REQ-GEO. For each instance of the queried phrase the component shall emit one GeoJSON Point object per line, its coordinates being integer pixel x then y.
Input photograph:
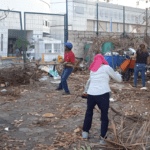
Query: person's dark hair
{"type": "Point", "coordinates": [142, 50]}
{"type": "Point", "coordinates": [69, 49]}
{"type": "Point", "coordinates": [142, 45]}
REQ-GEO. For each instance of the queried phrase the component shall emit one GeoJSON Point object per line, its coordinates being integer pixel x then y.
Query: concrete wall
{"type": "Point", "coordinates": [80, 38]}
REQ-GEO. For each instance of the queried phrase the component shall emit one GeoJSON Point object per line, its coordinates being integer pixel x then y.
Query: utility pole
{"type": "Point", "coordinates": [66, 20]}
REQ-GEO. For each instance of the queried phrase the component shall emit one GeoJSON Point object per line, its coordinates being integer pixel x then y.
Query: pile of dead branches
{"type": "Point", "coordinates": [129, 136]}
{"type": "Point", "coordinates": [20, 74]}
{"type": "Point", "coordinates": [120, 45]}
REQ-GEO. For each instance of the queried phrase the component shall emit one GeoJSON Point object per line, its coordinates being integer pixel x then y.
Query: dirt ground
{"type": "Point", "coordinates": [25, 124]}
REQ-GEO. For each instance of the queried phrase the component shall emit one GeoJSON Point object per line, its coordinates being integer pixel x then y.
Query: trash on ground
{"type": "Point", "coordinates": [2, 85]}
{"type": "Point", "coordinates": [111, 100]}
{"type": "Point", "coordinates": [4, 90]}
{"type": "Point", "coordinates": [49, 115]}
{"type": "Point", "coordinates": [44, 78]}
{"type": "Point", "coordinates": [56, 81]}
{"type": "Point", "coordinates": [77, 130]}
{"type": "Point", "coordinates": [6, 129]}
{"type": "Point", "coordinates": [45, 68]}
{"type": "Point", "coordinates": [56, 78]}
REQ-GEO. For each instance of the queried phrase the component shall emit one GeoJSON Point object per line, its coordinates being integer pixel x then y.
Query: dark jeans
{"type": "Point", "coordinates": [66, 73]}
{"type": "Point", "coordinates": [139, 67]}
{"type": "Point", "coordinates": [103, 103]}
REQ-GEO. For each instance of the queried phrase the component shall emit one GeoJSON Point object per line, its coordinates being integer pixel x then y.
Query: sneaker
{"type": "Point", "coordinates": [59, 89]}
{"type": "Point", "coordinates": [144, 88]}
{"type": "Point", "coordinates": [66, 93]}
{"type": "Point", "coordinates": [102, 142]}
{"type": "Point", "coordinates": [85, 135]}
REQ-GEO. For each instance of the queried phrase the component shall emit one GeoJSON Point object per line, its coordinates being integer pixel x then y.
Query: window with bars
{"type": "Point", "coordinates": [57, 48]}
{"type": "Point", "coordinates": [48, 48]}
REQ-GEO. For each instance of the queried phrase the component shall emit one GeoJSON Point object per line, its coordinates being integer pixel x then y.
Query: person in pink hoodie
{"type": "Point", "coordinates": [98, 94]}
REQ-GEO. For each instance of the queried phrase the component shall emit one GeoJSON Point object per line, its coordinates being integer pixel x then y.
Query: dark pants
{"type": "Point", "coordinates": [139, 68]}
{"type": "Point", "coordinates": [66, 73]}
{"type": "Point", "coordinates": [102, 101]}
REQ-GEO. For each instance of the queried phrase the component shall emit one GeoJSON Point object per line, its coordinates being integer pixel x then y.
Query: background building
{"type": "Point", "coordinates": [40, 29]}
{"type": "Point", "coordinates": [82, 16]}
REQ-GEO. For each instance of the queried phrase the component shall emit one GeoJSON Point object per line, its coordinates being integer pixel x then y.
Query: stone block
{"type": "Point", "coordinates": [81, 35]}
{"type": "Point", "coordinates": [75, 33]}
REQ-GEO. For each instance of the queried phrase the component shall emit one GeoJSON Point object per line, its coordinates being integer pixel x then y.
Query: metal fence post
{"type": "Point", "coordinates": [112, 58]}
{"type": "Point", "coordinates": [97, 19]}
{"type": "Point", "coordinates": [20, 21]}
{"type": "Point", "coordinates": [24, 49]}
{"type": "Point", "coordinates": [21, 31]}
{"type": "Point", "coordinates": [123, 21]}
{"type": "Point", "coordinates": [65, 30]}
{"type": "Point", "coordinates": [66, 20]}
{"type": "Point", "coordinates": [146, 20]}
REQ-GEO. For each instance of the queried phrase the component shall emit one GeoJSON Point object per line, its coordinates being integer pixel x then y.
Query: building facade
{"type": "Point", "coordinates": [82, 16]}
{"type": "Point", "coordinates": [40, 29]}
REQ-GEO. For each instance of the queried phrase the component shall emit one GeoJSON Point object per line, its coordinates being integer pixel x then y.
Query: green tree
{"type": "Point", "coordinates": [21, 41]}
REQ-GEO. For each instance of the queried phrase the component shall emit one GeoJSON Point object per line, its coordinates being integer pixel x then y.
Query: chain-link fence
{"type": "Point", "coordinates": [42, 39]}
{"type": "Point", "coordinates": [46, 32]}
{"type": "Point", "coordinates": [106, 17]}
{"type": "Point", "coordinates": [10, 24]}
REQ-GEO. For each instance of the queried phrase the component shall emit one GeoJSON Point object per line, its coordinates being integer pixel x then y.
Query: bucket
{"type": "Point", "coordinates": [59, 58]}
{"type": "Point", "coordinates": [109, 60]}
{"type": "Point", "coordinates": [125, 64]}
{"type": "Point", "coordinates": [132, 64]}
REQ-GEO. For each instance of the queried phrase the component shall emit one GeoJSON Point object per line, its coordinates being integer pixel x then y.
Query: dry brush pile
{"type": "Point", "coordinates": [20, 74]}
{"type": "Point", "coordinates": [120, 44]}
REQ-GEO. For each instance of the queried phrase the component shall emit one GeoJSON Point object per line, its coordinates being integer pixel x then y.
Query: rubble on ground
{"type": "Point", "coordinates": [129, 113]}
{"type": "Point", "coordinates": [20, 74]}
